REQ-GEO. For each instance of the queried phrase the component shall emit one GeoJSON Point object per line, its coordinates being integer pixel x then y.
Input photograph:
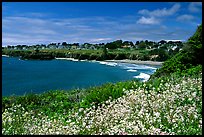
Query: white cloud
{"type": "Point", "coordinates": [98, 40]}
{"type": "Point", "coordinates": [185, 17]}
{"type": "Point", "coordinates": [149, 21]}
{"type": "Point", "coordinates": [29, 29]}
{"type": "Point", "coordinates": [36, 30]}
{"type": "Point", "coordinates": [174, 40]}
{"type": "Point", "coordinates": [195, 6]}
{"type": "Point", "coordinates": [161, 12]}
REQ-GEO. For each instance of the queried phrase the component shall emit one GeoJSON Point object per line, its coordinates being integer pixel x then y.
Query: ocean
{"type": "Point", "coordinates": [20, 77]}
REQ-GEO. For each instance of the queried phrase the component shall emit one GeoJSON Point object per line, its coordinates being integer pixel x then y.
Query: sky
{"type": "Point", "coordinates": [97, 22]}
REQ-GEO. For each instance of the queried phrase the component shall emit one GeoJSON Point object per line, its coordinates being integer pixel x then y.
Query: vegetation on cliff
{"type": "Point", "coordinates": [189, 56]}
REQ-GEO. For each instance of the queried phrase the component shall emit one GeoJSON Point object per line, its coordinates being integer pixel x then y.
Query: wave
{"type": "Point", "coordinates": [132, 70]}
{"type": "Point", "coordinates": [5, 56]}
{"type": "Point", "coordinates": [143, 76]}
{"type": "Point", "coordinates": [74, 60]}
{"type": "Point", "coordinates": [83, 60]}
{"type": "Point", "coordinates": [94, 61]}
{"type": "Point", "coordinates": [70, 59]}
{"type": "Point", "coordinates": [108, 63]}
{"type": "Point", "coordinates": [134, 66]}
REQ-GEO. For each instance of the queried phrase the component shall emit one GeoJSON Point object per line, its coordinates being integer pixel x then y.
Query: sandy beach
{"type": "Point", "coordinates": [121, 61]}
{"type": "Point", "coordinates": [136, 62]}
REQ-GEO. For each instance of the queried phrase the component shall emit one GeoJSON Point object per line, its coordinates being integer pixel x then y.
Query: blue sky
{"type": "Point", "coordinates": [96, 22]}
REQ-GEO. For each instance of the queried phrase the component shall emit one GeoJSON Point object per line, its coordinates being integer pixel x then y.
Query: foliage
{"type": "Point", "coordinates": [142, 45]}
{"type": "Point", "coordinates": [190, 56]}
{"type": "Point", "coordinates": [103, 93]}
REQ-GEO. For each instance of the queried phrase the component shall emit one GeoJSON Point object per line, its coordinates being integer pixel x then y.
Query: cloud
{"type": "Point", "coordinates": [29, 29]}
{"type": "Point", "coordinates": [14, 39]}
{"type": "Point", "coordinates": [37, 30]}
{"type": "Point", "coordinates": [173, 40]}
{"type": "Point", "coordinates": [27, 25]}
{"type": "Point", "coordinates": [149, 21]}
{"type": "Point", "coordinates": [161, 12]}
{"type": "Point", "coordinates": [98, 40]}
{"type": "Point", "coordinates": [154, 17]}
{"type": "Point", "coordinates": [185, 17]}
{"type": "Point", "coordinates": [195, 6]}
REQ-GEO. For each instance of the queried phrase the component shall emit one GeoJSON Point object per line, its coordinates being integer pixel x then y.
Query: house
{"type": "Point", "coordinates": [73, 47]}
{"type": "Point", "coordinates": [174, 47]}
{"type": "Point", "coordinates": [126, 46]}
{"type": "Point", "coordinates": [61, 47]}
{"type": "Point", "coordinates": [52, 46]}
{"type": "Point", "coordinates": [92, 47]}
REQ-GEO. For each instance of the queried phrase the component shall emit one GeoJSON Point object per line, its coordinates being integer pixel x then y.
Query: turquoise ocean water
{"type": "Point", "coordinates": [24, 76]}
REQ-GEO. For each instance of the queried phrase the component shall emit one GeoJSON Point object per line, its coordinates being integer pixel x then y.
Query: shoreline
{"type": "Point", "coordinates": [5, 56]}
{"type": "Point", "coordinates": [71, 59]}
{"type": "Point", "coordinates": [157, 63]}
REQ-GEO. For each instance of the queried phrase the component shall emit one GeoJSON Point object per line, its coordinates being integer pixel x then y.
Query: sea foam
{"type": "Point", "coordinates": [143, 76]}
{"type": "Point", "coordinates": [135, 67]}
{"type": "Point", "coordinates": [132, 70]}
{"type": "Point", "coordinates": [108, 63]}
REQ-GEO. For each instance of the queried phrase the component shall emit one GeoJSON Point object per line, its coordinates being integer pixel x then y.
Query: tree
{"type": "Point", "coordinates": [127, 43]}
{"type": "Point", "coordinates": [64, 43]}
{"type": "Point", "coordinates": [111, 45]}
{"type": "Point", "coordinates": [53, 44]}
{"type": "Point", "coordinates": [146, 42]}
{"type": "Point", "coordinates": [131, 44]}
{"type": "Point", "coordinates": [162, 42]}
{"type": "Point", "coordinates": [119, 43]}
{"type": "Point", "coordinates": [105, 53]}
{"type": "Point", "coordinates": [170, 42]}
{"type": "Point", "coordinates": [37, 50]}
{"type": "Point", "coordinates": [75, 44]}
{"type": "Point", "coordinates": [142, 45]}
{"type": "Point", "coordinates": [19, 47]}
{"type": "Point", "coordinates": [137, 43]}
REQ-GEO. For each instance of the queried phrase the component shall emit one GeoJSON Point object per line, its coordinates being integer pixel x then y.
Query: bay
{"type": "Point", "coordinates": [37, 76]}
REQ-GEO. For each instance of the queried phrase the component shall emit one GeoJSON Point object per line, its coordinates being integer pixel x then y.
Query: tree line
{"type": "Point", "coordinates": [110, 45]}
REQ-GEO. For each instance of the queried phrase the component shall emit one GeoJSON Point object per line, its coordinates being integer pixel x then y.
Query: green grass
{"type": "Point", "coordinates": [66, 100]}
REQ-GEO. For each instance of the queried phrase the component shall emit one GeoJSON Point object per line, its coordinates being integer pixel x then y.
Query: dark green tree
{"type": "Point", "coordinates": [105, 53]}
{"type": "Point", "coordinates": [137, 43]}
{"type": "Point", "coordinates": [111, 45]}
{"type": "Point", "coordinates": [162, 42]}
{"type": "Point", "coordinates": [142, 45]}
{"type": "Point", "coordinates": [119, 43]}
{"type": "Point", "coordinates": [64, 43]}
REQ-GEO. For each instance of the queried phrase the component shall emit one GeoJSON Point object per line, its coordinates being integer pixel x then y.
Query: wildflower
{"type": "Point", "coordinates": [157, 114]}
{"type": "Point", "coordinates": [194, 94]}
{"type": "Point", "coordinates": [81, 109]}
